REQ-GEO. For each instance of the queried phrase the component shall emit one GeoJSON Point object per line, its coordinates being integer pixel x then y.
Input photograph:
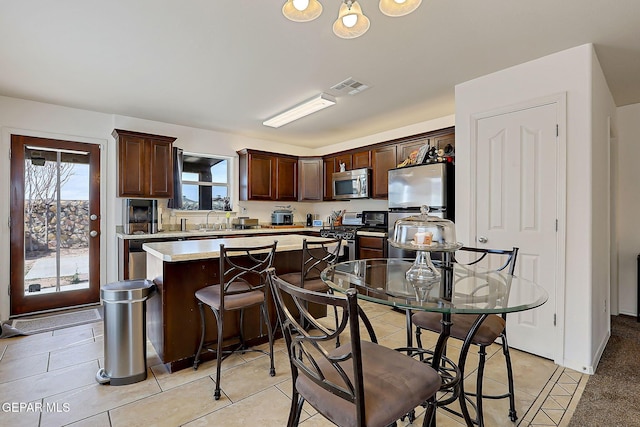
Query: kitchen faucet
{"type": "Point", "coordinates": [206, 226]}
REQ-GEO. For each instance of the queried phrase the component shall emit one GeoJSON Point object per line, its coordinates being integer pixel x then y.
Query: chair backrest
{"type": "Point", "coordinates": [338, 372]}
{"type": "Point", "coordinates": [244, 269]}
{"type": "Point", "coordinates": [316, 256]}
{"type": "Point", "coordinates": [480, 254]}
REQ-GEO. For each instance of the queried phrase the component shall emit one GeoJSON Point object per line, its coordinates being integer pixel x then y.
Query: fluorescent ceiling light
{"type": "Point", "coordinates": [310, 106]}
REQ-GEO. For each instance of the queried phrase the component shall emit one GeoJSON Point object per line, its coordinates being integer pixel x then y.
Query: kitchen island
{"type": "Point", "coordinates": [179, 269]}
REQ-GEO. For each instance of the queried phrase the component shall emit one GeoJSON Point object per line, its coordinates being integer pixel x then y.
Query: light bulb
{"type": "Point", "coordinates": [397, 1]}
{"type": "Point", "coordinates": [303, 4]}
{"type": "Point", "coordinates": [350, 20]}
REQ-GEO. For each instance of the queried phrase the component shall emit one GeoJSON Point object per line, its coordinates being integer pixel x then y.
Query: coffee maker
{"type": "Point", "coordinates": [140, 216]}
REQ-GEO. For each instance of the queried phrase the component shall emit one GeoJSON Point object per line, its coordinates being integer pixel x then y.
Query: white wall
{"type": "Point", "coordinates": [569, 72]}
{"type": "Point", "coordinates": [603, 118]}
{"type": "Point", "coordinates": [45, 120]}
{"type": "Point", "coordinates": [628, 206]}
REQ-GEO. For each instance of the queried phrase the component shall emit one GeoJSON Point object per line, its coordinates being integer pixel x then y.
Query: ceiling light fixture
{"type": "Point", "coordinates": [351, 22]}
{"type": "Point", "coordinates": [302, 10]}
{"type": "Point", "coordinates": [310, 106]}
{"type": "Point", "coordinates": [397, 8]}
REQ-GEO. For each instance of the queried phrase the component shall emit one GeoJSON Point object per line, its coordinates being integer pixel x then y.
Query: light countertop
{"type": "Point", "coordinates": [372, 233]}
{"type": "Point", "coordinates": [213, 234]}
{"type": "Point", "coordinates": [188, 250]}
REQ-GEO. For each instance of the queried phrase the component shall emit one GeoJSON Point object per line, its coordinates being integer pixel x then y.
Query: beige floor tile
{"type": "Point", "coordinates": [13, 369]}
{"type": "Point", "coordinates": [542, 419]}
{"type": "Point", "coordinates": [88, 351]}
{"type": "Point", "coordinates": [93, 399]}
{"type": "Point", "coordinates": [168, 380]}
{"type": "Point", "coordinates": [268, 408]}
{"type": "Point", "coordinates": [551, 403]}
{"type": "Point", "coordinates": [244, 380]}
{"type": "Point", "coordinates": [73, 329]}
{"type": "Point", "coordinates": [19, 417]}
{"type": "Point", "coordinates": [316, 420]}
{"type": "Point", "coordinates": [44, 343]}
{"type": "Point", "coordinates": [554, 414]}
{"type": "Point", "coordinates": [49, 383]}
{"type": "Point", "coordinates": [100, 420]}
{"type": "Point", "coordinates": [175, 407]}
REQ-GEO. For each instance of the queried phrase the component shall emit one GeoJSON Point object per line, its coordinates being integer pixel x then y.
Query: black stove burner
{"type": "Point", "coordinates": [343, 231]}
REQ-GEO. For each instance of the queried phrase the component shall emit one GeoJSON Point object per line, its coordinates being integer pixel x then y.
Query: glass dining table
{"type": "Point", "coordinates": [458, 288]}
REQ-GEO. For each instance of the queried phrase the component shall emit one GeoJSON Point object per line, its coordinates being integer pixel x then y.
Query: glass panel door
{"type": "Point", "coordinates": [55, 226]}
{"type": "Point", "coordinates": [56, 221]}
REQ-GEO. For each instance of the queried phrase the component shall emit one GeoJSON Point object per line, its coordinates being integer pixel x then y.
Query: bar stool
{"type": "Point", "coordinates": [242, 285]}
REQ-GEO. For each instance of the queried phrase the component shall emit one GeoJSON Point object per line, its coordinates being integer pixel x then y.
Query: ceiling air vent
{"type": "Point", "coordinates": [350, 86]}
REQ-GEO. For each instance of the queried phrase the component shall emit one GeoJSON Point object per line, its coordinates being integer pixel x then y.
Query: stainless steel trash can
{"type": "Point", "coordinates": [125, 331]}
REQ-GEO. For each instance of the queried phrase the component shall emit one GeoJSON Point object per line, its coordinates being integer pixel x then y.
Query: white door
{"type": "Point", "coordinates": [516, 198]}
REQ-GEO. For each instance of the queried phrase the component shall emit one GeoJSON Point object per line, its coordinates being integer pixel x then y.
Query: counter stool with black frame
{"type": "Point", "coordinates": [359, 383]}
{"type": "Point", "coordinates": [316, 256]}
{"type": "Point", "coordinates": [243, 284]}
{"type": "Point", "coordinates": [494, 326]}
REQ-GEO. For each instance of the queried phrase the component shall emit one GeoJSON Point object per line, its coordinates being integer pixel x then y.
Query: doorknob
{"type": "Point", "coordinates": [93, 233]}
{"type": "Point", "coordinates": [482, 239]}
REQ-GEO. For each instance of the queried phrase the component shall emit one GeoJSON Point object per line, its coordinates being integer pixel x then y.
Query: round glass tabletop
{"type": "Point", "coordinates": [472, 290]}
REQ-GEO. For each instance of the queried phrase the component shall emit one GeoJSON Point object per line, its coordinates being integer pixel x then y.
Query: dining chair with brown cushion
{"type": "Point", "coordinates": [493, 327]}
{"type": "Point", "coordinates": [242, 285]}
{"type": "Point", "coordinates": [359, 383]}
{"type": "Point", "coordinates": [316, 256]}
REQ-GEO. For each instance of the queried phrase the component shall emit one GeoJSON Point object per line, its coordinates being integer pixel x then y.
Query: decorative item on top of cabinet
{"type": "Point", "coordinates": [145, 164]}
{"type": "Point", "coordinates": [268, 176]}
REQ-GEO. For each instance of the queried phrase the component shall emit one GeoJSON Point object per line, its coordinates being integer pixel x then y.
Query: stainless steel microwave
{"type": "Point", "coordinates": [353, 184]}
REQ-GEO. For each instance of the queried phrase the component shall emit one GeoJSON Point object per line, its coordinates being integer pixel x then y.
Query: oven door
{"type": "Point", "coordinates": [349, 250]}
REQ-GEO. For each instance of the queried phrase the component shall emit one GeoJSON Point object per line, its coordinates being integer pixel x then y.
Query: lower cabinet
{"type": "Point", "coordinates": [371, 247]}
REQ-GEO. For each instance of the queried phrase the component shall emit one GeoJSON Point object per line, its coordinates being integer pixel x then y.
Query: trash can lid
{"type": "Point", "coordinates": [127, 290]}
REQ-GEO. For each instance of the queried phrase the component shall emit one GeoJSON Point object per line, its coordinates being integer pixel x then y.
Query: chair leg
{"type": "Point", "coordinates": [203, 325]}
{"type": "Point", "coordinates": [479, 379]}
{"type": "Point", "coordinates": [219, 316]}
{"type": "Point", "coordinates": [265, 313]}
{"type": "Point", "coordinates": [297, 402]}
{"type": "Point", "coordinates": [513, 416]}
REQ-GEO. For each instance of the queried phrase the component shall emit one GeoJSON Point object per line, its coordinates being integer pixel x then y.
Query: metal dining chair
{"type": "Point", "coordinates": [242, 285]}
{"type": "Point", "coordinates": [359, 383]}
{"type": "Point", "coordinates": [493, 327]}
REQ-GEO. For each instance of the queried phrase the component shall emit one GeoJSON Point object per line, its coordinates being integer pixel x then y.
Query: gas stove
{"type": "Point", "coordinates": [347, 232]}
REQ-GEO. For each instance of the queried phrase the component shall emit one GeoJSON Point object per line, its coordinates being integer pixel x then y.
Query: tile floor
{"type": "Point", "coordinates": [49, 380]}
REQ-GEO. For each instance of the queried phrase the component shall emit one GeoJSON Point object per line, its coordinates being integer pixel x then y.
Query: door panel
{"type": "Point", "coordinates": [55, 224]}
{"type": "Point", "coordinates": [516, 194]}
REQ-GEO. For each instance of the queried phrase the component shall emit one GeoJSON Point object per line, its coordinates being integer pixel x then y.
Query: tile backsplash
{"type": "Point", "coordinates": [262, 211]}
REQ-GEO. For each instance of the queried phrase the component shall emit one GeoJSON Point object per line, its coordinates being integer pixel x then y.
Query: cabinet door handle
{"type": "Point", "coordinates": [93, 217]}
{"type": "Point", "coordinates": [93, 233]}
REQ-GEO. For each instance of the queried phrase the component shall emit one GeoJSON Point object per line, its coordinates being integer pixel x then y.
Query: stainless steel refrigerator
{"type": "Point", "coordinates": [414, 186]}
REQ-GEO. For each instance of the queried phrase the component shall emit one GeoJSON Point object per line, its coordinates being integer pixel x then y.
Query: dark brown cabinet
{"type": "Point", "coordinates": [268, 176]}
{"type": "Point", "coordinates": [310, 179]}
{"type": "Point", "coordinates": [371, 247]}
{"type": "Point", "coordinates": [145, 164]}
{"type": "Point", "coordinates": [361, 159]}
{"type": "Point", "coordinates": [287, 178]}
{"type": "Point", "coordinates": [328, 169]}
{"type": "Point", "coordinates": [382, 159]}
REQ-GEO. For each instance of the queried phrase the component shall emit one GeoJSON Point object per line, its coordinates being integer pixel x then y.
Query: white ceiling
{"type": "Point", "coordinates": [227, 65]}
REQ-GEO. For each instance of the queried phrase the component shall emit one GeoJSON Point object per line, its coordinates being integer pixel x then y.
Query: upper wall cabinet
{"type": "Point", "coordinates": [145, 165]}
{"type": "Point", "coordinates": [268, 176]}
{"type": "Point", "coordinates": [310, 173]}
